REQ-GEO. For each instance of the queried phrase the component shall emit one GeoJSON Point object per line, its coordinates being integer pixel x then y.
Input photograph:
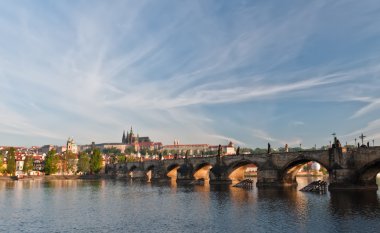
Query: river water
{"type": "Point", "coordinates": [126, 206]}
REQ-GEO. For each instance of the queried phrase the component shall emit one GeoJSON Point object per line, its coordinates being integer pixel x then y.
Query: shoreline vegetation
{"type": "Point", "coordinates": [58, 177]}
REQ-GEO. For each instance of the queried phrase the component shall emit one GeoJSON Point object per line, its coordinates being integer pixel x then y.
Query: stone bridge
{"type": "Point", "coordinates": [348, 169]}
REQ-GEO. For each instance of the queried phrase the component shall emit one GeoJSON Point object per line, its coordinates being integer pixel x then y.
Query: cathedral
{"type": "Point", "coordinates": [131, 139]}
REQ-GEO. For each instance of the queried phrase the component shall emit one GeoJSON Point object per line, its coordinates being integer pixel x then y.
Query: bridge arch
{"type": "Point", "coordinates": [367, 174]}
{"type": "Point", "coordinates": [171, 170]}
{"type": "Point", "coordinates": [236, 170]}
{"type": "Point", "coordinates": [288, 173]}
{"type": "Point", "coordinates": [132, 168]}
{"type": "Point", "coordinates": [202, 171]}
{"type": "Point", "coordinates": [150, 168]}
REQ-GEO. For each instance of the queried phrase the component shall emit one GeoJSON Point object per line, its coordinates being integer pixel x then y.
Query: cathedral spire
{"type": "Point", "coordinates": [123, 138]}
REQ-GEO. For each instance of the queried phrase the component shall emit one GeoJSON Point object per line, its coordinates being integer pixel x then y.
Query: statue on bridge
{"type": "Point", "coordinates": [219, 150]}
{"type": "Point", "coordinates": [238, 150]}
{"type": "Point", "coordinates": [269, 149]}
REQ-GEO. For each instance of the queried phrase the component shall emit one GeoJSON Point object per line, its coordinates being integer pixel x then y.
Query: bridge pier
{"type": "Point", "coordinates": [185, 174]}
{"type": "Point", "coordinates": [346, 179]}
{"type": "Point", "coordinates": [220, 181]}
{"type": "Point", "coordinates": [159, 176]}
{"type": "Point", "coordinates": [138, 174]}
{"type": "Point", "coordinates": [268, 178]}
{"type": "Point", "coordinates": [219, 175]}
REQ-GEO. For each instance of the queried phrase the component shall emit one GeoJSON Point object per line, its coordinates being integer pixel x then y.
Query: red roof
{"type": "Point", "coordinates": [37, 157]}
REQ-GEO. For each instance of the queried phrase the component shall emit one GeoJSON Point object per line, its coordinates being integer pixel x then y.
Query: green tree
{"type": "Point", "coordinates": [11, 161]}
{"type": "Point", "coordinates": [28, 164]}
{"type": "Point", "coordinates": [121, 158]}
{"type": "Point", "coordinates": [260, 151]}
{"type": "Point", "coordinates": [84, 163]}
{"type": "Point", "coordinates": [130, 150]}
{"type": "Point", "coordinates": [130, 159]}
{"type": "Point", "coordinates": [143, 151]}
{"type": "Point", "coordinates": [112, 150]}
{"type": "Point", "coordinates": [1, 159]}
{"type": "Point", "coordinates": [96, 161]}
{"type": "Point", "coordinates": [246, 150]}
{"type": "Point", "coordinates": [3, 169]}
{"type": "Point", "coordinates": [69, 161]}
{"type": "Point", "coordinates": [51, 162]}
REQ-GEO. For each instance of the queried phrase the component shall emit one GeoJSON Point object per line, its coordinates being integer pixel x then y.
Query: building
{"type": "Point", "coordinates": [226, 149]}
{"type": "Point", "coordinates": [128, 140]}
{"type": "Point", "coordinates": [71, 146]}
{"type": "Point", "coordinates": [139, 143]}
{"type": "Point", "coordinates": [183, 148]}
{"type": "Point", "coordinates": [198, 149]}
{"type": "Point", "coordinates": [119, 146]}
{"type": "Point", "coordinates": [46, 148]}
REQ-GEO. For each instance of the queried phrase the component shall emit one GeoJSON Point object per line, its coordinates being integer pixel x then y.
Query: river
{"type": "Point", "coordinates": [126, 206]}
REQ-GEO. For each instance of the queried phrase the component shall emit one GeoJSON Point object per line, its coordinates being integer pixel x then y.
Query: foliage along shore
{"type": "Point", "coordinates": [58, 177]}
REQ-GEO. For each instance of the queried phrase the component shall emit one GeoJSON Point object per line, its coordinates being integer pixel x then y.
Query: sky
{"type": "Point", "coordinates": [253, 72]}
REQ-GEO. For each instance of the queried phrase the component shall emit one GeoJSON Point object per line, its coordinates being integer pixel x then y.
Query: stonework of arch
{"type": "Point", "coordinates": [289, 172]}
{"type": "Point", "coordinates": [367, 174]}
{"type": "Point", "coordinates": [237, 169]}
{"type": "Point", "coordinates": [134, 167]}
{"type": "Point", "coordinates": [202, 170]}
{"type": "Point", "coordinates": [171, 170]}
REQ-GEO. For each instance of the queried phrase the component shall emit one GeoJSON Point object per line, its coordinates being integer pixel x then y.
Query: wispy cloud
{"type": "Point", "coordinates": [373, 104]}
{"type": "Point", "coordinates": [176, 70]}
{"type": "Point", "coordinates": [229, 139]}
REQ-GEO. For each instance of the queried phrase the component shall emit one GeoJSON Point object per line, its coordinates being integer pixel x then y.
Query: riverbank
{"type": "Point", "coordinates": [57, 177]}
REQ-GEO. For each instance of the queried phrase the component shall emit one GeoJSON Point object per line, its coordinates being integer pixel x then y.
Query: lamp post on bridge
{"type": "Point", "coordinates": [373, 142]}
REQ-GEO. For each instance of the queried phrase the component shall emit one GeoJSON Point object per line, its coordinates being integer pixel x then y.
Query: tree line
{"type": "Point", "coordinates": [86, 163]}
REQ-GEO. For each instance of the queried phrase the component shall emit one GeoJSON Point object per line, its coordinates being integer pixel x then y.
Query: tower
{"type": "Point", "coordinates": [131, 136]}
{"type": "Point", "coordinates": [123, 138]}
{"type": "Point", "coordinates": [71, 146]}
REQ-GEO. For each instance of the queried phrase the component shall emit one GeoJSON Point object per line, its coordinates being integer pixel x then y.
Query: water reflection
{"type": "Point", "coordinates": [345, 202]}
{"type": "Point", "coordinates": [131, 206]}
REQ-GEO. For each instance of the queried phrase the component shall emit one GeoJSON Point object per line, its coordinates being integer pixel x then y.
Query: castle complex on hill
{"type": "Point", "coordinates": [130, 138]}
{"type": "Point", "coordinates": [138, 143]}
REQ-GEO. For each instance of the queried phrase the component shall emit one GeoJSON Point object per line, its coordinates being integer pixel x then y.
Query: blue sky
{"type": "Point", "coordinates": [199, 71]}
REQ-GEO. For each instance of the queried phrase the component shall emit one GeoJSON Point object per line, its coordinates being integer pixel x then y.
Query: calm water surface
{"type": "Point", "coordinates": [122, 206]}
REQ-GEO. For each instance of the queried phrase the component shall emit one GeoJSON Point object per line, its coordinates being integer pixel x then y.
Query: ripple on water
{"type": "Point", "coordinates": [121, 206]}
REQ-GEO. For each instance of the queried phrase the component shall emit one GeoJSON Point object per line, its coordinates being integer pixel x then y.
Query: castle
{"type": "Point", "coordinates": [131, 139]}
{"type": "Point", "coordinates": [138, 142]}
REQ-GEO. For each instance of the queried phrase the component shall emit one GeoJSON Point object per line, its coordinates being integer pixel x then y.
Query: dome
{"type": "Point", "coordinates": [315, 166]}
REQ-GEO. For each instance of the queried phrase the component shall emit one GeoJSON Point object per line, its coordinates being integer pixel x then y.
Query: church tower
{"type": "Point", "coordinates": [123, 138]}
{"type": "Point", "coordinates": [127, 138]}
{"type": "Point", "coordinates": [131, 136]}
